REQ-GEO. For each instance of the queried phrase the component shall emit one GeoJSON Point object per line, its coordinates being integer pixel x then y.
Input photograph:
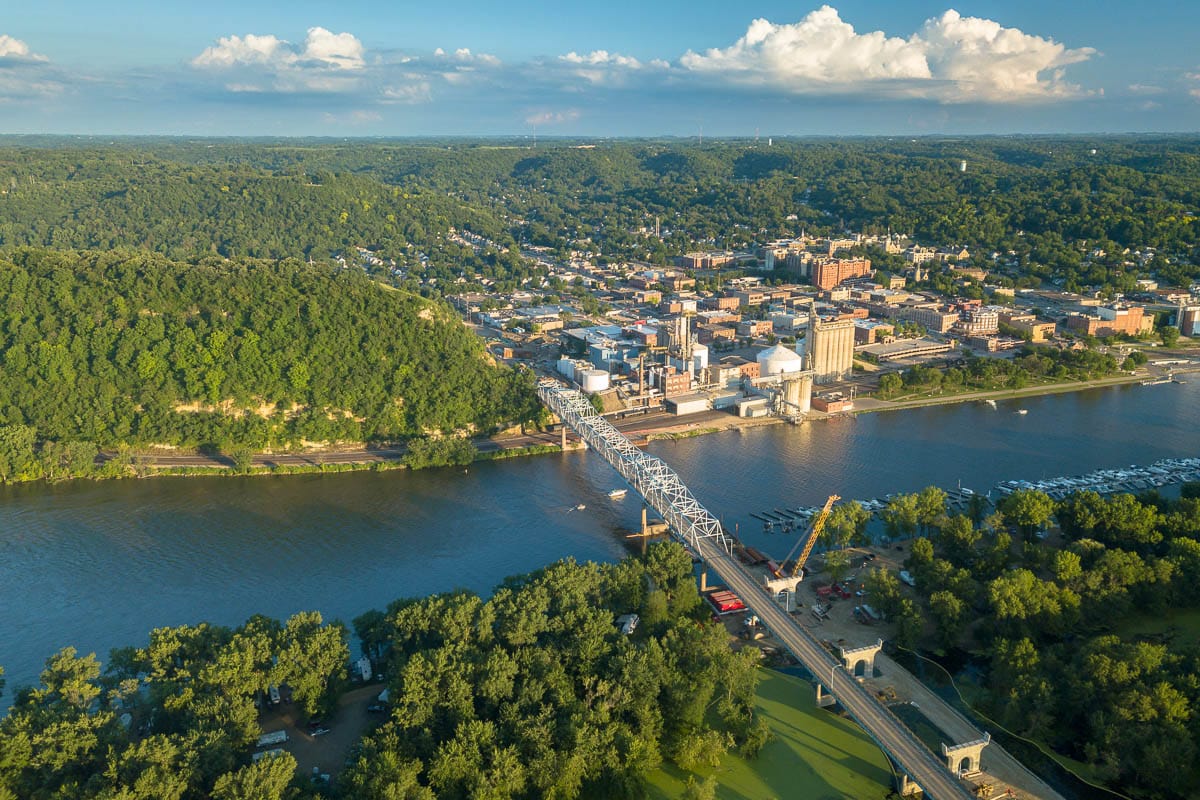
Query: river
{"type": "Point", "coordinates": [97, 565]}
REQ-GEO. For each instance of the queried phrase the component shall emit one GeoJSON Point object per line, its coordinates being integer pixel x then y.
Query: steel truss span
{"type": "Point", "coordinates": [648, 475]}
{"type": "Point", "coordinates": [696, 527]}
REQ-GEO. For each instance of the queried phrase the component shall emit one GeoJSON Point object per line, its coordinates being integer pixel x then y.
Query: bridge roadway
{"type": "Point", "coordinates": [913, 757]}
{"type": "Point", "coordinates": [692, 524]}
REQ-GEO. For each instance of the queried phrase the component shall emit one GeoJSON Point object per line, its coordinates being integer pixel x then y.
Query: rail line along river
{"type": "Point", "coordinates": [97, 565]}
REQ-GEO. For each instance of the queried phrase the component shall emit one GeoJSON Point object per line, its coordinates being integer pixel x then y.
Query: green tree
{"type": "Point", "coordinates": [901, 516]}
{"type": "Point", "coordinates": [1028, 509]}
{"type": "Point", "coordinates": [312, 659]}
{"type": "Point", "coordinates": [931, 508]}
{"type": "Point", "coordinates": [949, 614]}
{"type": "Point", "coordinates": [847, 524]}
{"type": "Point", "coordinates": [17, 459]}
{"type": "Point", "coordinates": [266, 779]}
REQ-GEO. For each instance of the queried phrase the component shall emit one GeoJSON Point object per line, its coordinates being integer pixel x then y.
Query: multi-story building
{"type": "Point", "coordinates": [873, 332]}
{"type": "Point", "coordinates": [1111, 320]}
{"type": "Point", "coordinates": [730, 303]}
{"type": "Point", "coordinates": [827, 274]}
{"type": "Point", "coordinates": [975, 321]}
{"type": "Point", "coordinates": [670, 381]}
{"type": "Point", "coordinates": [677, 283]}
{"type": "Point", "coordinates": [750, 297]}
{"type": "Point", "coordinates": [919, 255]}
{"type": "Point", "coordinates": [1029, 325]}
{"type": "Point", "coordinates": [707, 333]}
{"type": "Point", "coordinates": [931, 319]}
{"type": "Point", "coordinates": [755, 327]}
{"type": "Point", "coordinates": [705, 260]}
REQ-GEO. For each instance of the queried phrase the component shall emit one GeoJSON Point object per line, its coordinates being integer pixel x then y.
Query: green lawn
{"type": "Point", "coordinates": [1179, 628]}
{"type": "Point", "coordinates": [815, 754]}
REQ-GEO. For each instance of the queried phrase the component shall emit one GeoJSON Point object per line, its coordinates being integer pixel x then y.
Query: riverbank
{"type": "Point", "coordinates": [869, 405]}
{"type": "Point", "coordinates": [654, 427]}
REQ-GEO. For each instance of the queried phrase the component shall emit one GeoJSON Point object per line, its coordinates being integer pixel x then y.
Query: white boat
{"type": "Point", "coordinates": [617, 494]}
{"type": "Point", "coordinates": [991, 403]}
{"type": "Point", "coordinates": [580, 507]}
{"type": "Point", "coordinates": [1022, 411]}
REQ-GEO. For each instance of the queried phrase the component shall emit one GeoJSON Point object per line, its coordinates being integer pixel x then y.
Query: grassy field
{"type": "Point", "coordinates": [815, 755]}
{"type": "Point", "coordinates": [1177, 628]}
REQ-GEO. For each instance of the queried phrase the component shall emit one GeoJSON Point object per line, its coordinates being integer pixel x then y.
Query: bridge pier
{"type": "Point", "coordinates": [824, 700]}
{"type": "Point", "coordinates": [906, 786]}
{"type": "Point", "coordinates": [863, 657]}
{"type": "Point", "coordinates": [964, 759]}
{"type": "Point", "coordinates": [563, 440]}
{"type": "Point", "coordinates": [692, 524]}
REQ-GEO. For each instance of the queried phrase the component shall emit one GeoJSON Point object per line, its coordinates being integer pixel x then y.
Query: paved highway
{"type": "Point", "coordinates": [889, 732]}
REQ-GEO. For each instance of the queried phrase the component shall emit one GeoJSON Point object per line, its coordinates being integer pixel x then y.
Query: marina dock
{"type": "Point", "coordinates": [1131, 479]}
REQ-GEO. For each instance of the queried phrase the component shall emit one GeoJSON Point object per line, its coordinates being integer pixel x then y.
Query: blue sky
{"type": "Point", "coordinates": [597, 69]}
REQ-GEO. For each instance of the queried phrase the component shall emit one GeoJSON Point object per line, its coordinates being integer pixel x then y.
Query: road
{"type": "Point", "coordinates": [635, 426]}
{"type": "Point", "coordinates": [913, 757]}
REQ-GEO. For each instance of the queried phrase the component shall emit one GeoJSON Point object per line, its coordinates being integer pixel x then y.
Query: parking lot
{"type": "Point", "coordinates": [326, 752]}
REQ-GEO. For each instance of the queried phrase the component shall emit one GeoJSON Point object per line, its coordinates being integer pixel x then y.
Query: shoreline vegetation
{"type": "Point", "coordinates": [336, 461]}
{"type": "Point", "coordinates": [573, 680]}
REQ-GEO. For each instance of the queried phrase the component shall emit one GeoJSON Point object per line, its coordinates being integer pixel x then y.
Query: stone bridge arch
{"type": "Point", "coordinates": [966, 758]}
{"type": "Point", "coordinates": [860, 661]}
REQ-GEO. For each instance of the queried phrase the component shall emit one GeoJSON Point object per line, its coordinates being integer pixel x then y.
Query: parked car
{"type": "Point", "coordinates": [376, 708]}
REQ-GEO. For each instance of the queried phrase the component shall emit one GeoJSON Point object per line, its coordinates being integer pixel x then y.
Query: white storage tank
{"type": "Point", "coordinates": [777, 360]}
{"type": "Point", "coordinates": [566, 367]}
{"type": "Point", "coordinates": [699, 358]}
{"type": "Point", "coordinates": [592, 380]}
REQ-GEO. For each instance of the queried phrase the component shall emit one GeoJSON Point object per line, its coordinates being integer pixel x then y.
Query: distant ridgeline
{"type": "Point", "coordinates": [1051, 207]}
{"type": "Point", "coordinates": [129, 347]}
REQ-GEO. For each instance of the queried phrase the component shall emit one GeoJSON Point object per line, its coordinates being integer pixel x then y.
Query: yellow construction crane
{"type": "Point", "coordinates": [814, 530]}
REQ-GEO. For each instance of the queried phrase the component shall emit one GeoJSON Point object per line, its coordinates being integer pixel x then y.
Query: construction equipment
{"type": "Point", "coordinates": [808, 540]}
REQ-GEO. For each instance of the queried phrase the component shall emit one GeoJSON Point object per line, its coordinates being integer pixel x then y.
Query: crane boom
{"type": "Point", "coordinates": [814, 530]}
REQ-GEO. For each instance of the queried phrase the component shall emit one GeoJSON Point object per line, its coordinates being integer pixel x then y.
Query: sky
{"type": "Point", "coordinates": [616, 68]}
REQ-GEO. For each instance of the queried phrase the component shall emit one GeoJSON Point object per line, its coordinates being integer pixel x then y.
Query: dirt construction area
{"type": "Point", "coordinates": [327, 752]}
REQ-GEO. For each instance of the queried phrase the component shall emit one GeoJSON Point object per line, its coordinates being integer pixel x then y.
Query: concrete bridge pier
{"type": "Point", "coordinates": [563, 440]}
{"type": "Point", "coordinates": [860, 661]}
{"type": "Point", "coordinates": [906, 786]}
{"type": "Point", "coordinates": [824, 700]}
{"type": "Point", "coordinates": [964, 759]}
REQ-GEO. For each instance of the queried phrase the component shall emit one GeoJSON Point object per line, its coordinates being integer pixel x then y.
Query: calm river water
{"type": "Point", "coordinates": [97, 565]}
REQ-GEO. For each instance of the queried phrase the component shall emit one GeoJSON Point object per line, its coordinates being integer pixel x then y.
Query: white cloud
{"type": "Point", "coordinates": [407, 94]}
{"type": "Point", "coordinates": [326, 62]}
{"type": "Point", "coordinates": [952, 58]}
{"type": "Point", "coordinates": [552, 117]}
{"type": "Point", "coordinates": [338, 50]}
{"type": "Point", "coordinates": [984, 59]}
{"type": "Point", "coordinates": [237, 50]}
{"type": "Point", "coordinates": [1145, 88]}
{"type": "Point", "coordinates": [321, 48]}
{"type": "Point", "coordinates": [602, 58]}
{"type": "Point", "coordinates": [26, 75]}
{"type": "Point", "coordinates": [600, 67]}
{"type": "Point", "coordinates": [820, 48]}
{"type": "Point", "coordinates": [16, 49]}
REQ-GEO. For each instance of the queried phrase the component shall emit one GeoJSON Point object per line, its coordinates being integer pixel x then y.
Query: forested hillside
{"type": "Point", "coordinates": [1049, 200]}
{"type": "Point", "coordinates": [130, 347]}
{"type": "Point", "coordinates": [105, 199]}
